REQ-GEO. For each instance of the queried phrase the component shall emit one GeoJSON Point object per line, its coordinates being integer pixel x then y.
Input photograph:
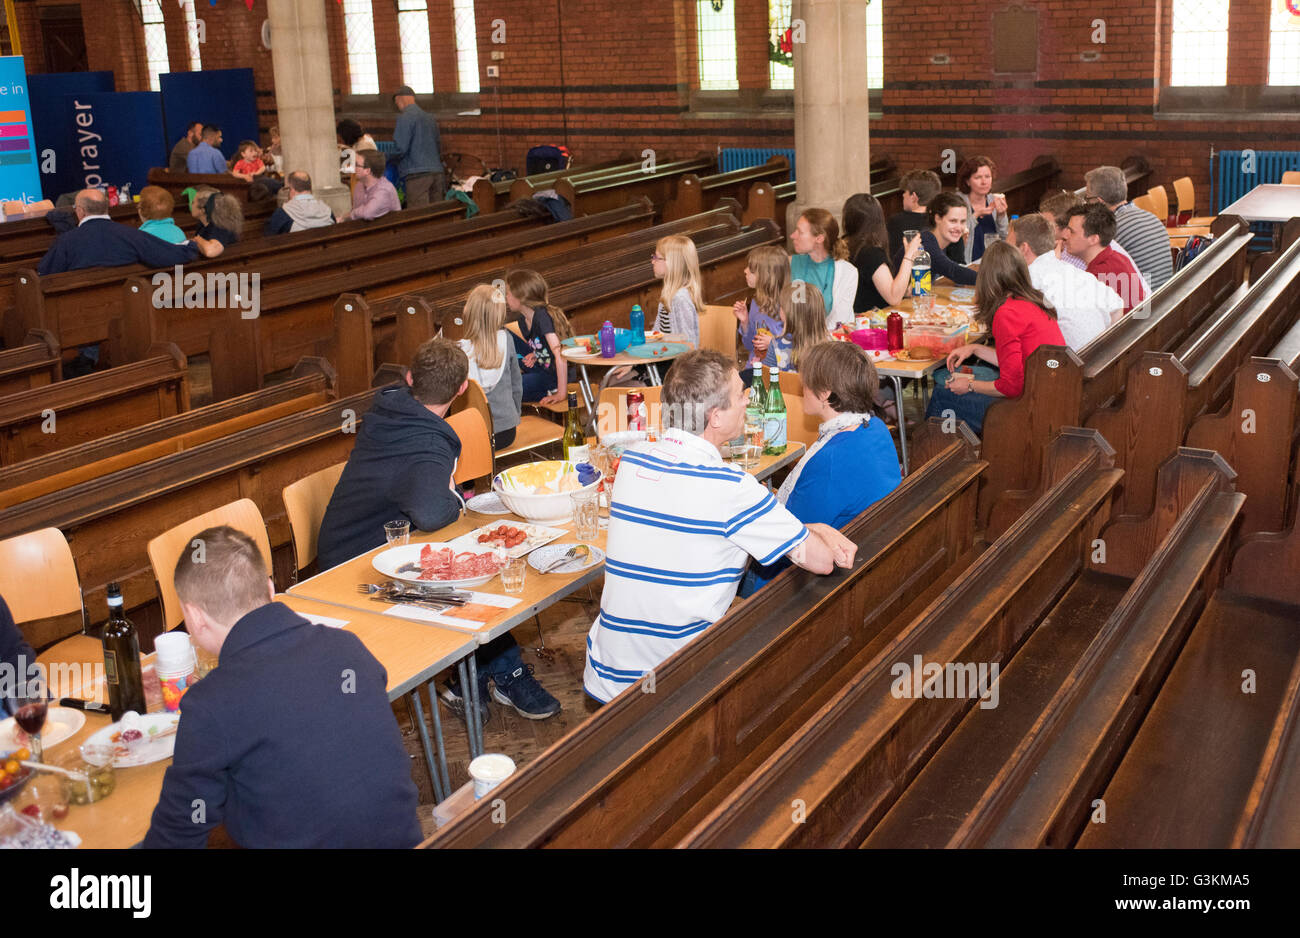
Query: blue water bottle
{"type": "Point", "coordinates": [607, 340]}
{"type": "Point", "coordinates": [638, 325]}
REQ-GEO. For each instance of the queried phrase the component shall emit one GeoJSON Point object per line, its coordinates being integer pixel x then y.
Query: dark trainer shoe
{"type": "Point", "coordinates": [521, 691]}
{"type": "Point", "coordinates": [455, 701]}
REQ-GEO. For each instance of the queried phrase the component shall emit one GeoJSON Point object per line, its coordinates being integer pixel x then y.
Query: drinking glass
{"type": "Point", "coordinates": [909, 234]}
{"type": "Point", "coordinates": [512, 574]}
{"type": "Point", "coordinates": [753, 449]}
{"type": "Point", "coordinates": [989, 239]}
{"type": "Point", "coordinates": [586, 515]}
{"type": "Point", "coordinates": [398, 532]}
{"type": "Point", "coordinates": [29, 705]}
{"type": "Point", "coordinates": [923, 304]}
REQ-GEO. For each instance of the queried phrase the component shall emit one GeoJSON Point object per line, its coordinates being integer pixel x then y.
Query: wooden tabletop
{"type": "Point", "coordinates": [338, 586]}
{"type": "Point", "coordinates": [411, 652]}
{"type": "Point", "coordinates": [623, 358]}
{"type": "Point", "coordinates": [1267, 202]}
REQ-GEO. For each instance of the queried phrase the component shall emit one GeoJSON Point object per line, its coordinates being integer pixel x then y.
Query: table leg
{"type": "Point", "coordinates": [469, 680]}
{"type": "Point", "coordinates": [423, 727]}
{"type": "Point", "coordinates": [438, 738]}
{"type": "Point", "coordinates": [585, 383]}
{"type": "Point", "coordinates": [902, 421]}
{"type": "Point", "coordinates": [655, 380]}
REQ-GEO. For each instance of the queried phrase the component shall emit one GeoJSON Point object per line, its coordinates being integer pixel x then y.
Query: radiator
{"type": "Point", "coordinates": [1232, 183]}
{"type": "Point", "coordinates": [744, 157]}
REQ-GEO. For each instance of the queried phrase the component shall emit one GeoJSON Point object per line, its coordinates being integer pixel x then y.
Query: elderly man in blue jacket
{"type": "Point", "coordinates": [291, 741]}
{"type": "Point", "coordinates": [419, 151]}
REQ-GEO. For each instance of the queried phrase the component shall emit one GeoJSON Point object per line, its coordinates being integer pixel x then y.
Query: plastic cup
{"type": "Point", "coordinates": [175, 665]}
{"type": "Point", "coordinates": [490, 770]}
{"type": "Point", "coordinates": [153, 695]}
{"type": "Point", "coordinates": [586, 515]}
{"type": "Point", "coordinates": [512, 574]}
{"type": "Point", "coordinates": [398, 532]}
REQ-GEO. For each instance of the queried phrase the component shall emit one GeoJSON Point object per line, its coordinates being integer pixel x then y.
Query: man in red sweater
{"type": "Point", "coordinates": [1090, 232]}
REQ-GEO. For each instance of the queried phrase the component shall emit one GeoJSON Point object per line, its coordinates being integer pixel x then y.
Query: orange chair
{"type": "Point", "coordinates": [800, 427]}
{"type": "Point", "coordinates": [611, 409]}
{"type": "Point", "coordinates": [38, 579]}
{"type": "Point", "coordinates": [1144, 202]}
{"type": "Point", "coordinates": [1160, 203]}
{"type": "Point", "coordinates": [475, 446]}
{"type": "Point", "coordinates": [1186, 195]}
{"type": "Point", "coordinates": [1291, 177]}
{"type": "Point", "coordinates": [305, 502]}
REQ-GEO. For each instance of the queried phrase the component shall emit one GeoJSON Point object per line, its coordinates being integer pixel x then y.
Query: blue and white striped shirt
{"type": "Point", "coordinates": [682, 525]}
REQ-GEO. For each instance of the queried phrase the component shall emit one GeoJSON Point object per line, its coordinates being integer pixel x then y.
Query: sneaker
{"type": "Point", "coordinates": [455, 701]}
{"type": "Point", "coordinates": [521, 691]}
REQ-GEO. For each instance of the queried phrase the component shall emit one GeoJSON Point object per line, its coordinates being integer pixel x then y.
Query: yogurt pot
{"type": "Point", "coordinates": [490, 770]}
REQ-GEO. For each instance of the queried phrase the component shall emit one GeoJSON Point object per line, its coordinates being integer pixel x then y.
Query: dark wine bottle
{"type": "Point", "coordinates": [121, 659]}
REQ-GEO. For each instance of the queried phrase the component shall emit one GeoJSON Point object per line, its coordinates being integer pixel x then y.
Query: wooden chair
{"type": "Point", "coordinates": [1186, 195]}
{"type": "Point", "coordinates": [475, 446]}
{"type": "Point", "coordinates": [800, 427]}
{"type": "Point", "coordinates": [1144, 202]}
{"type": "Point", "coordinates": [611, 408]}
{"type": "Point", "coordinates": [39, 582]}
{"type": "Point", "coordinates": [1160, 203]}
{"type": "Point", "coordinates": [533, 432]}
{"type": "Point", "coordinates": [305, 502]}
{"type": "Point", "coordinates": [718, 330]}
{"type": "Point", "coordinates": [1291, 177]}
{"type": "Point", "coordinates": [165, 549]}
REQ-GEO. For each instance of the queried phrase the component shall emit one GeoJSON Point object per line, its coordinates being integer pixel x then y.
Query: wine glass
{"type": "Point", "coordinates": [29, 706]}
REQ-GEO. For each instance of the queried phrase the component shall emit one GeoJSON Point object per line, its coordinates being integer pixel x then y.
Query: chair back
{"type": "Point", "coordinates": [1144, 202]}
{"type": "Point", "coordinates": [611, 409]}
{"type": "Point", "coordinates": [718, 330]}
{"type": "Point", "coordinates": [38, 580]}
{"type": "Point", "coordinates": [475, 446]}
{"type": "Point", "coordinates": [1291, 177]}
{"type": "Point", "coordinates": [305, 502]}
{"type": "Point", "coordinates": [1160, 202]}
{"type": "Point", "coordinates": [1185, 193]}
{"type": "Point", "coordinates": [165, 549]}
{"type": "Point", "coordinates": [800, 427]}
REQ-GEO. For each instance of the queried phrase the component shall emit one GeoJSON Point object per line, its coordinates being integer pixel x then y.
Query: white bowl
{"type": "Point", "coordinates": [544, 508]}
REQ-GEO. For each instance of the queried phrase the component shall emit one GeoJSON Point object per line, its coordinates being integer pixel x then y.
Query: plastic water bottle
{"type": "Point", "coordinates": [638, 325]}
{"type": "Point", "coordinates": [921, 272]}
{"type": "Point", "coordinates": [607, 340]}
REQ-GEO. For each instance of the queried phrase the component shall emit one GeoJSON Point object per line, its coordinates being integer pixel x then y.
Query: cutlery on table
{"type": "Point", "coordinates": [578, 551]}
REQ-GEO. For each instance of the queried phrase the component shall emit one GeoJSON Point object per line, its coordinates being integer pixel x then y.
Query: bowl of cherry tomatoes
{"type": "Point", "coordinates": [13, 775]}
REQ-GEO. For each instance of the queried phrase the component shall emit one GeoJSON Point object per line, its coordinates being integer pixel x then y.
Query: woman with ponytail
{"type": "Point", "coordinates": [821, 259]}
{"type": "Point", "coordinates": [545, 371]}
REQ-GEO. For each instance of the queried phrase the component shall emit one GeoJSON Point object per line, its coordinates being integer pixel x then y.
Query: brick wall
{"type": "Point", "coordinates": [608, 78]}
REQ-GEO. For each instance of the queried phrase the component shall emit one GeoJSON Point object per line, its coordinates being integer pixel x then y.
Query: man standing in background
{"type": "Point", "coordinates": [419, 151]}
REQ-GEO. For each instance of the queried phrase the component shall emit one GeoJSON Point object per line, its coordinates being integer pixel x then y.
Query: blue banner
{"type": "Point", "coordinates": [117, 138]}
{"type": "Point", "coordinates": [55, 130]}
{"type": "Point", "coordinates": [20, 178]}
{"type": "Point", "coordinates": [224, 97]}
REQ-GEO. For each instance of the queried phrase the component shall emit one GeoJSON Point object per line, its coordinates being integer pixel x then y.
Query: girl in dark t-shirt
{"type": "Point", "coordinates": [544, 370]}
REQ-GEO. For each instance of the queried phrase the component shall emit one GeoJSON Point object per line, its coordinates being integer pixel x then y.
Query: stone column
{"type": "Point", "coordinates": [304, 97]}
{"type": "Point", "coordinates": [832, 146]}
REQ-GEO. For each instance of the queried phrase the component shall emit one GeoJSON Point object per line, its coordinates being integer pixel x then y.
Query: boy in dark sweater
{"type": "Point", "coordinates": [401, 469]}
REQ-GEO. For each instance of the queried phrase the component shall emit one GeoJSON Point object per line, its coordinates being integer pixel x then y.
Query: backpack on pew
{"type": "Point", "coordinates": [547, 158]}
{"type": "Point", "coordinates": [1194, 246]}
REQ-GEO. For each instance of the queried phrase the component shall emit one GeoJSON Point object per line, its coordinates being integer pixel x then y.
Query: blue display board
{"type": "Point", "coordinates": [224, 97]}
{"type": "Point", "coordinates": [51, 95]}
{"type": "Point", "coordinates": [20, 178]}
{"type": "Point", "coordinates": [115, 137]}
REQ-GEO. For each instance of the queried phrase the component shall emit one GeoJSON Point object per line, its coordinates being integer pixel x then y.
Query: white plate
{"type": "Point", "coordinates": [143, 752]}
{"type": "Point", "coordinates": [578, 353]}
{"type": "Point", "coordinates": [962, 294]}
{"type": "Point", "coordinates": [540, 558]}
{"type": "Point", "coordinates": [487, 503]}
{"type": "Point", "coordinates": [537, 536]}
{"type": "Point", "coordinates": [60, 724]}
{"type": "Point", "coordinates": [388, 561]}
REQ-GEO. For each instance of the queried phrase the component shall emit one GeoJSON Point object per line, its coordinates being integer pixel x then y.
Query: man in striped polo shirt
{"type": "Point", "coordinates": [682, 525]}
{"type": "Point", "coordinates": [1142, 235]}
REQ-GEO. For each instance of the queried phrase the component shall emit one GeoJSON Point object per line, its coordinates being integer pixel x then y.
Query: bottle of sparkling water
{"type": "Point", "coordinates": [774, 419]}
{"type": "Point", "coordinates": [575, 444]}
{"type": "Point", "coordinates": [921, 272]}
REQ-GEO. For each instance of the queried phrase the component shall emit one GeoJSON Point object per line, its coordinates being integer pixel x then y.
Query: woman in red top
{"type": "Point", "coordinates": [1021, 320]}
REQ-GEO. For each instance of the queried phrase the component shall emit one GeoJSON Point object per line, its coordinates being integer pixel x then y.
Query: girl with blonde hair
{"type": "Point", "coordinates": [821, 259]}
{"type": "Point", "coordinates": [541, 327]}
{"type": "Point", "coordinates": [681, 299]}
{"type": "Point", "coordinates": [492, 361]}
{"type": "Point", "coordinates": [805, 326]}
{"type": "Point", "coordinates": [767, 271]}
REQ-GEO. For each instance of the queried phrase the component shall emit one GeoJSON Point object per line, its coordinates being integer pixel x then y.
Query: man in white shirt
{"type": "Point", "coordinates": [1084, 305]}
{"type": "Point", "coordinates": [682, 525]}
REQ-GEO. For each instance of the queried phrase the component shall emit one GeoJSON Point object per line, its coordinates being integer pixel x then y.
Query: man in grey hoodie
{"type": "Point", "coordinates": [302, 210]}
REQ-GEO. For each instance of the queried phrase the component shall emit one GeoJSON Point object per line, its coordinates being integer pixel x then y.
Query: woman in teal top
{"type": "Point", "coordinates": [820, 259]}
{"type": "Point", "coordinates": [155, 207]}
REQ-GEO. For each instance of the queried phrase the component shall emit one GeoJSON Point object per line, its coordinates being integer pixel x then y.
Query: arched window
{"type": "Point", "coordinates": [466, 46]}
{"type": "Point", "coordinates": [155, 41]}
{"type": "Point", "coordinates": [1198, 48]}
{"type": "Point", "coordinates": [780, 44]}
{"type": "Point", "coordinates": [359, 28]}
{"type": "Point", "coordinates": [1284, 44]}
{"type": "Point", "coordinates": [192, 36]}
{"type": "Point", "coordinates": [413, 40]}
{"type": "Point", "coordinates": [715, 27]}
{"type": "Point", "coordinates": [875, 44]}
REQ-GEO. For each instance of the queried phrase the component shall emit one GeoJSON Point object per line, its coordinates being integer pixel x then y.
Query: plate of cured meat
{"type": "Point", "coordinates": [441, 564]}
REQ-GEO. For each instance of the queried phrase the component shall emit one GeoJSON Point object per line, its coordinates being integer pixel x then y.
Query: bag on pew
{"type": "Point", "coordinates": [1194, 246]}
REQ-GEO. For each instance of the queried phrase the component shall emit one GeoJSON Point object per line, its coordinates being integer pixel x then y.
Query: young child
{"type": "Point", "coordinates": [678, 265]}
{"type": "Point", "coordinates": [545, 371]}
{"type": "Point", "coordinates": [767, 271]}
{"type": "Point", "coordinates": [492, 362]}
{"type": "Point", "coordinates": [250, 162]}
{"type": "Point", "coordinates": [155, 207]}
{"type": "Point", "coordinates": [803, 311]}
{"type": "Point", "coordinates": [273, 155]}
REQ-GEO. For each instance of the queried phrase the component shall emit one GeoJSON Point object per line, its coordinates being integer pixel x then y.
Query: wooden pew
{"type": "Point", "coordinates": [696, 194]}
{"type": "Point", "coordinates": [176, 183]}
{"type": "Point", "coordinates": [109, 520]}
{"type": "Point", "coordinates": [1024, 774]}
{"type": "Point", "coordinates": [87, 304]}
{"type": "Point", "coordinates": [766, 200]}
{"type": "Point", "coordinates": [1165, 392]}
{"type": "Point", "coordinates": [1064, 389]}
{"type": "Point", "coordinates": [44, 419]}
{"type": "Point", "coordinates": [296, 311]}
{"type": "Point", "coordinates": [1026, 188]}
{"type": "Point", "coordinates": [501, 193]}
{"type": "Point", "coordinates": [313, 383]}
{"type": "Point", "coordinates": [361, 325]}
{"type": "Point", "coordinates": [590, 195]}
{"type": "Point", "coordinates": [660, 755]}
{"type": "Point", "coordinates": [831, 782]}
{"type": "Point", "coordinates": [35, 363]}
